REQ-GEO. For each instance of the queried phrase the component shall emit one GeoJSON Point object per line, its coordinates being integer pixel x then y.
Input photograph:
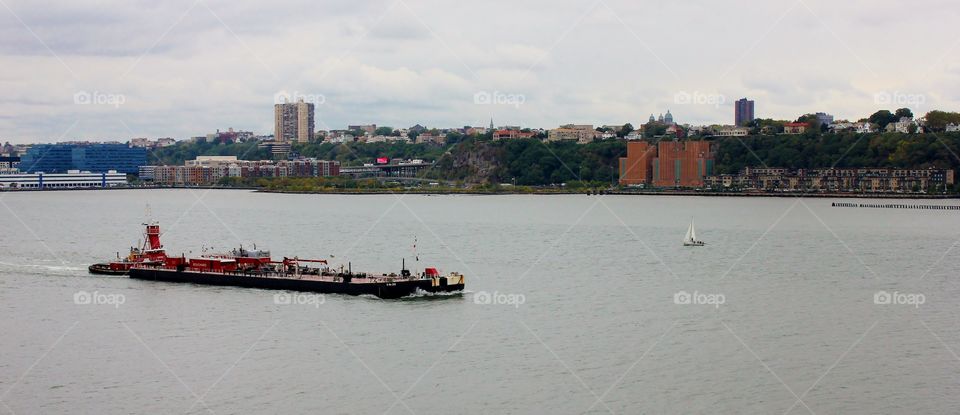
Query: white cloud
{"type": "Point", "coordinates": [421, 61]}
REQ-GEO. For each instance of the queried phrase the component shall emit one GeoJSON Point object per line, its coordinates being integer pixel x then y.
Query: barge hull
{"type": "Point", "coordinates": [387, 290]}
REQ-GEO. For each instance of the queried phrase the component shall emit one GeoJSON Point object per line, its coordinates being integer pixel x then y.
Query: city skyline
{"type": "Point", "coordinates": [405, 62]}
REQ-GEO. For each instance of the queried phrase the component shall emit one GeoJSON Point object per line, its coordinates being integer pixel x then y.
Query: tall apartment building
{"type": "Point", "coordinates": [293, 122]}
{"type": "Point", "coordinates": [682, 163]}
{"type": "Point", "coordinates": [742, 112]}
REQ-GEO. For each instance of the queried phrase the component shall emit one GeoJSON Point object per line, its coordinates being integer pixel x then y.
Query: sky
{"type": "Point", "coordinates": [120, 69]}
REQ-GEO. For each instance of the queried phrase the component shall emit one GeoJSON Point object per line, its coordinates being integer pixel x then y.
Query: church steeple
{"type": "Point", "coordinates": [491, 123]}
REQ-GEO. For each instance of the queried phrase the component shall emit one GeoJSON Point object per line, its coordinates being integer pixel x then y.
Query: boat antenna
{"type": "Point", "coordinates": [416, 256]}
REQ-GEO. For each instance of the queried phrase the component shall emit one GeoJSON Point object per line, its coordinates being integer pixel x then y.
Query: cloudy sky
{"type": "Point", "coordinates": [117, 69]}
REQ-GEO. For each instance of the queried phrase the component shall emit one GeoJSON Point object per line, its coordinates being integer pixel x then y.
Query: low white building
{"type": "Point", "coordinates": [731, 131]}
{"type": "Point", "coordinates": [71, 180]}
{"type": "Point", "coordinates": [952, 128]}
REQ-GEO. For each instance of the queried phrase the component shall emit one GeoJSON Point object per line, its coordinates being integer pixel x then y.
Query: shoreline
{"type": "Point", "coordinates": [679, 193]}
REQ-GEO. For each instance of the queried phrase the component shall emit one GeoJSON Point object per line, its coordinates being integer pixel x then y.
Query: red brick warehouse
{"type": "Point", "coordinates": [673, 164]}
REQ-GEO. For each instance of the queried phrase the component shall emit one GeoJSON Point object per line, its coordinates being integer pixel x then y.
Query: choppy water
{"type": "Point", "coordinates": [576, 312]}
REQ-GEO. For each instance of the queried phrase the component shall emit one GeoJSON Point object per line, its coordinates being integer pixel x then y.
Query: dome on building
{"type": "Point", "coordinates": [668, 118]}
{"type": "Point", "coordinates": [652, 118]}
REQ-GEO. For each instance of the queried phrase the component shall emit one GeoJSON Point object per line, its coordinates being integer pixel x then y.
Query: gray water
{"type": "Point", "coordinates": [570, 307]}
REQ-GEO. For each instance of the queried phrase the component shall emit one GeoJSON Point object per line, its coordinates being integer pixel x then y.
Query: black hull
{"type": "Point", "coordinates": [104, 269]}
{"type": "Point", "coordinates": [381, 289]}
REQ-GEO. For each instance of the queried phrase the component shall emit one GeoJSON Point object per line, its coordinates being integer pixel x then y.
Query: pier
{"type": "Point", "coordinates": [895, 206]}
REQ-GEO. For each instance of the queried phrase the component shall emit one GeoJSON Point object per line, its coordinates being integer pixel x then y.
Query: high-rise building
{"type": "Point", "coordinates": [743, 112]}
{"type": "Point", "coordinates": [293, 122]}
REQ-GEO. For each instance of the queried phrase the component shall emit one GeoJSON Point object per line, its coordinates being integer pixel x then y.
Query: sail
{"type": "Point", "coordinates": [690, 235]}
{"type": "Point", "coordinates": [693, 231]}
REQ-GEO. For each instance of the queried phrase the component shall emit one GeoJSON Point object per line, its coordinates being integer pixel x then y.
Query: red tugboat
{"type": "Point", "coordinates": [256, 269]}
{"type": "Point", "coordinates": [151, 252]}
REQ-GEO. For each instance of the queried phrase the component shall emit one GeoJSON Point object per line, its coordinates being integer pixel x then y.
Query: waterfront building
{"type": "Point", "coordinates": [682, 163]}
{"type": "Point", "coordinates": [743, 112]}
{"type": "Point", "coordinates": [97, 158]}
{"type": "Point", "coordinates": [72, 179]}
{"type": "Point", "coordinates": [863, 180]}
{"type": "Point", "coordinates": [9, 164]}
{"type": "Point", "coordinates": [293, 122]}
{"type": "Point", "coordinates": [637, 167]}
{"type": "Point", "coordinates": [207, 170]}
{"type": "Point", "coordinates": [668, 164]}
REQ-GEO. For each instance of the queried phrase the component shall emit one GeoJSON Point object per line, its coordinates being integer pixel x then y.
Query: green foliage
{"type": "Point", "coordinates": [845, 150]}
{"type": "Point", "coordinates": [531, 162]}
{"type": "Point", "coordinates": [182, 151]}
{"type": "Point", "coordinates": [882, 118]}
{"type": "Point", "coordinates": [937, 120]}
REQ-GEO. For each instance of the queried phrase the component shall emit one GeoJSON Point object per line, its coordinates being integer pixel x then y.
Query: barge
{"type": "Point", "coordinates": [255, 269]}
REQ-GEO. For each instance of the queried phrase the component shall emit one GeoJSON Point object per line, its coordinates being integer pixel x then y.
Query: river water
{"type": "Point", "coordinates": [574, 304]}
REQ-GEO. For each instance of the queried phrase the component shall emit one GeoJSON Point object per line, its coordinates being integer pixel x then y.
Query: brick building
{"type": "Point", "coordinates": [682, 163]}
{"type": "Point", "coordinates": [669, 164]}
{"type": "Point", "coordinates": [637, 167]}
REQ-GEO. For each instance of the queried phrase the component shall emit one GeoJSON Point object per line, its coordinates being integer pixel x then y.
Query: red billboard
{"type": "Point", "coordinates": [383, 160]}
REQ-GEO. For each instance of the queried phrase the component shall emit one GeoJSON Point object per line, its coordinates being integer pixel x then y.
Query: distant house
{"type": "Point", "coordinates": [952, 128]}
{"type": "Point", "coordinates": [863, 128]}
{"type": "Point", "coordinates": [903, 126]}
{"type": "Point", "coordinates": [842, 126]}
{"type": "Point", "coordinates": [510, 134]}
{"type": "Point", "coordinates": [795, 128]}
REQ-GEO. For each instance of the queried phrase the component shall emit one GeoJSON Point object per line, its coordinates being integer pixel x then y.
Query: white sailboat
{"type": "Point", "coordinates": [691, 238]}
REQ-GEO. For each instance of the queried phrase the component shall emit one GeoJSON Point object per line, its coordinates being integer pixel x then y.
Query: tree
{"type": "Point", "coordinates": [626, 129]}
{"type": "Point", "coordinates": [903, 113]}
{"type": "Point", "coordinates": [882, 118]}
{"type": "Point", "coordinates": [383, 131]}
{"type": "Point", "coordinates": [937, 120]}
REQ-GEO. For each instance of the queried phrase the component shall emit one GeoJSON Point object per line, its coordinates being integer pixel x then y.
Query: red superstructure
{"type": "Point", "coordinates": [151, 252]}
